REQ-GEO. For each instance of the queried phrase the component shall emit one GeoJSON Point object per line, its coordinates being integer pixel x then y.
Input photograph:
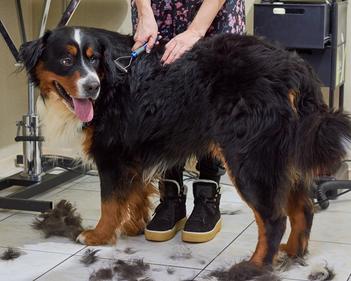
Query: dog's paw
{"type": "Point", "coordinates": [93, 238]}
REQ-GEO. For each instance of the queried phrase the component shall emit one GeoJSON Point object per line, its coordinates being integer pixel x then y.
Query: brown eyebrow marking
{"type": "Point", "coordinates": [89, 52]}
{"type": "Point", "coordinates": [72, 50]}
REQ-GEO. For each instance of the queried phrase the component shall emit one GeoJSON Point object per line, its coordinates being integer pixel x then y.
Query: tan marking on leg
{"type": "Point", "coordinates": [262, 244]}
{"type": "Point", "coordinates": [139, 206]}
{"type": "Point", "coordinates": [298, 203]}
{"type": "Point", "coordinates": [112, 215]}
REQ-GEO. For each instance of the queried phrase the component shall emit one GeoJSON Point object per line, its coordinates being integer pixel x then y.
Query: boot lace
{"type": "Point", "coordinates": [203, 206]}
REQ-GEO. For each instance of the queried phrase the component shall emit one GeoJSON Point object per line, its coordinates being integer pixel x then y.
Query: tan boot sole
{"type": "Point", "coordinates": [161, 236]}
{"type": "Point", "coordinates": [200, 237]}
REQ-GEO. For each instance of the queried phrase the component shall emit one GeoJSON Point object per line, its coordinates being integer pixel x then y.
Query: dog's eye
{"type": "Point", "coordinates": [93, 60]}
{"type": "Point", "coordinates": [67, 61]}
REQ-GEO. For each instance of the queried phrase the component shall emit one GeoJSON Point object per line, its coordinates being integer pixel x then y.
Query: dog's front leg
{"type": "Point", "coordinates": [115, 193]}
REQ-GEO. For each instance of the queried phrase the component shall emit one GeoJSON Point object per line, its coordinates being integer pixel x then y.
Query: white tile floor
{"type": "Point", "coordinates": [57, 258]}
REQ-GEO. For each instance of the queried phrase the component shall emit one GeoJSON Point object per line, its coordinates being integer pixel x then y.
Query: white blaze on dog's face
{"type": "Point", "coordinates": [68, 68]}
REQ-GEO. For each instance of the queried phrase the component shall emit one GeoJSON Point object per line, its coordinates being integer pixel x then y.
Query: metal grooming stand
{"type": "Point", "coordinates": [35, 177]}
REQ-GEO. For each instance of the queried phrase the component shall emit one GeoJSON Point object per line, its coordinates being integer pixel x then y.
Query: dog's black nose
{"type": "Point", "coordinates": [92, 88]}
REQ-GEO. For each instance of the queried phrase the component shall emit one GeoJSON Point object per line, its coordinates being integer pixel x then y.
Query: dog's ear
{"type": "Point", "coordinates": [30, 53]}
{"type": "Point", "coordinates": [111, 74]}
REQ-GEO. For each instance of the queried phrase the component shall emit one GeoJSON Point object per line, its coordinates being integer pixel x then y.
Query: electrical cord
{"type": "Point", "coordinates": [327, 199]}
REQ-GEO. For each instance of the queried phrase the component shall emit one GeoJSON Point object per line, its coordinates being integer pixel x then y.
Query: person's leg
{"type": "Point", "coordinates": [210, 168]}
{"type": "Point", "coordinates": [170, 214]}
{"type": "Point", "coordinates": [205, 220]}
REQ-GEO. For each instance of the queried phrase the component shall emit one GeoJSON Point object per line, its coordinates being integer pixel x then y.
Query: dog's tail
{"type": "Point", "coordinates": [322, 134]}
{"type": "Point", "coordinates": [321, 141]}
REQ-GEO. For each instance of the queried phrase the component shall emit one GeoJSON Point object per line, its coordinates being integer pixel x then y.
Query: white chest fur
{"type": "Point", "coordinates": [61, 129]}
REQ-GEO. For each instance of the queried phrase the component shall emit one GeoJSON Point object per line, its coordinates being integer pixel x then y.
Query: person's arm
{"type": "Point", "coordinates": [196, 30]}
{"type": "Point", "coordinates": [147, 29]}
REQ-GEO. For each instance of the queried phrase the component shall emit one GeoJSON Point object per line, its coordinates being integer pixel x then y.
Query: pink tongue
{"type": "Point", "coordinates": [83, 109]}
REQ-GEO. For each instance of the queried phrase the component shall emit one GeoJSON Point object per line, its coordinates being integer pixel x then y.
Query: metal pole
{"type": "Point", "coordinates": [68, 13]}
{"type": "Point", "coordinates": [8, 41]}
{"type": "Point", "coordinates": [31, 99]}
{"type": "Point", "coordinates": [21, 21]}
{"type": "Point", "coordinates": [32, 168]}
{"type": "Point", "coordinates": [44, 17]}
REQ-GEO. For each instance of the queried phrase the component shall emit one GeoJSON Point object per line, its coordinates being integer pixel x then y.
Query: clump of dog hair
{"type": "Point", "coordinates": [63, 220]}
{"type": "Point", "coordinates": [129, 251]}
{"type": "Point", "coordinates": [322, 273]}
{"type": "Point", "coordinates": [101, 274]}
{"type": "Point", "coordinates": [170, 270]}
{"type": "Point", "coordinates": [10, 254]}
{"type": "Point", "coordinates": [89, 257]}
{"type": "Point", "coordinates": [244, 271]}
{"type": "Point", "coordinates": [132, 270]}
{"type": "Point", "coordinates": [122, 270]}
{"type": "Point", "coordinates": [283, 262]}
{"type": "Point", "coordinates": [182, 253]}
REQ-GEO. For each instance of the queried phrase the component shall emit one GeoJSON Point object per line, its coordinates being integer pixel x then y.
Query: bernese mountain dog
{"type": "Point", "coordinates": [253, 105]}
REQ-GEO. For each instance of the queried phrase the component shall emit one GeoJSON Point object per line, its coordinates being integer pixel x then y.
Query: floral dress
{"type": "Point", "coordinates": [174, 17]}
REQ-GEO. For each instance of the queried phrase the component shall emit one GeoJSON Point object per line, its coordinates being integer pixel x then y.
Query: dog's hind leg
{"type": "Point", "coordinates": [258, 169]}
{"type": "Point", "coordinates": [270, 217]}
{"type": "Point", "coordinates": [300, 212]}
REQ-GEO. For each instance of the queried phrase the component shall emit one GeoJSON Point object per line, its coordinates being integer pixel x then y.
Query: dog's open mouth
{"type": "Point", "coordinates": [82, 108]}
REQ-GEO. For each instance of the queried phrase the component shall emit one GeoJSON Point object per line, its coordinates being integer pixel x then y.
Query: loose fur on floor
{"type": "Point", "coordinates": [89, 257]}
{"type": "Point", "coordinates": [101, 275]}
{"type": "Point", "coordinates": [129, 251]}
{"type": "Point", "coordinates": [283, 262]}
{"type": "Point", "coordinates": [181, 253]}
{"type": "Point", "coordinates": [255, 106]}
{"type": "Point", "coordinates": [245, 271]}
{"type": "Point", "coordinates": [123, 270]}
{"type": "Point", "coordinates": [321, 273]}
{"type": "Point", "coordinates": [132, 270]}
{"type": "Point", "coordinates": [10, 254]}
{"type": "Point", "coordinates": [63, 220]}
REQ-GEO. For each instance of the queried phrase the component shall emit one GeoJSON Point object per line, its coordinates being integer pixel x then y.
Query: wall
{"type": "Point", "coordinates": [13, 86]}
{"type": "Point", "coordinates": [109, 14]}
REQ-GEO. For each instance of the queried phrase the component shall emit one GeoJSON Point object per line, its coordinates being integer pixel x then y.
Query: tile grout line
{"type": "Point", "coordinates": [203, 269]}
{"type": "Point", "coordinates": [151, 263]}
{"type": "Point", "coordinates": [72, 255]}
{"type": "Point", "coordinates": [8, 217]}
{"type": "Point", "coordinates": [331, 242]}
{"type": "Point", "coordinates": [40, 251]}
{"type": "Point", "coordinates": [176, 266]}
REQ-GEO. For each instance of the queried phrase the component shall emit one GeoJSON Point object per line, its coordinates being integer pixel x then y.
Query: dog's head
{"type": "Point", "coordinates": [68, 65]}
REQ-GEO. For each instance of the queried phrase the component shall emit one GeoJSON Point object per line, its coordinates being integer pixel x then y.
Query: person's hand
{"type": "Point", "coordinates": [146, 31]}
{"type": "Point", "coordinates": [179, 44]}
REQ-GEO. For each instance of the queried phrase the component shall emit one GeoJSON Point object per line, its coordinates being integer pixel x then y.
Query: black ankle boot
{"type": "Point", "coordinates": [205, 220]}
{"type": "Point", "coordinates": [170, 214]}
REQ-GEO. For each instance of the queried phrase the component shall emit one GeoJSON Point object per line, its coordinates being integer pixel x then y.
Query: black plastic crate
{"type": "Point", "coordinates": [298, 26]}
